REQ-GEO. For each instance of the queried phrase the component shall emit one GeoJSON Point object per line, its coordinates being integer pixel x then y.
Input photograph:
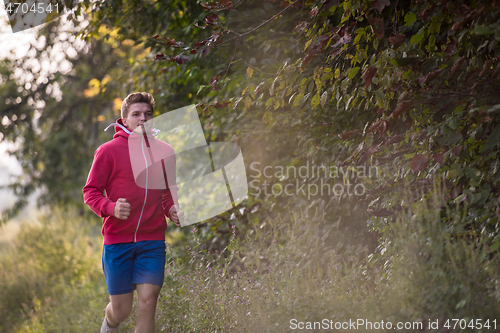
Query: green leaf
{"type": "Point", "coordinates": [493, 140]}
{"type": "Point", "coordinates": [300, 99]}
{"type": "Point", "coordinates": [250, 71]}
{"type": "Point", "coordinates": [336, 75]}
{"type": "Point", "coordinates": [200, 88]}
{"type": "Point", "coordinates": [417, 38]}
{"type": "Point", "coordinates": [408, 156]}
{"type": "Point", "coordinates": [473, 173]}
{"type": "Point", "coordinates": [379, 94]}
{"type": "Point", "coordinates": [308, 43]}
{"type": "Point", "coordinates": [303, 82]}
{"type": "Point", "coordinates": [248, 102]}
{"type": "Point", "coordinates": [435, 26]}
{"type": "Point", "coordinates": [453, 123]}
{"type": "Point", "coordinates": [319, 84]}
{"type": "Point", "coordinates": [269, 102]}
{"type": "Point", "coordinates": [449, 139]}
{"type": "Point", "coordinates": [352, 72]}
{"type": "Point", "coordinates": [327, 76]}
{"type": "Point", "coordinates": [400, 62]}
{"type": "Point", "coordinates": [277, 104]}
{"type": "Point", "coordinates": [315, 101]}
{"type": "Point", "coordinates": [297, 99]}
{"type": "Point", "coordinates": [484, 30]}
{"type": "Point", "coordinates": [461, 304]}
{"type": "Point", "coordinates": [410, 18]}
{"type": "Point", "coordinates": [459, 109]}
{"type": "Point", "coordinates": [268, 117]}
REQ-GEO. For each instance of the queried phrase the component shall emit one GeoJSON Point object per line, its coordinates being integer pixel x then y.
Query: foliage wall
{"type": "Point", "coordinates": [405, 87]}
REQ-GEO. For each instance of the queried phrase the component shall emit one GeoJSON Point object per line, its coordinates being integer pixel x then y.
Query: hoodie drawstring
{"type": "Point", "coordinates": [120, 125]}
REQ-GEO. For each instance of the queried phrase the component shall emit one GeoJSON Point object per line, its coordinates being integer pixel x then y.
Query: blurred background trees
{"type": "Point", "coordinates": [56, 101]}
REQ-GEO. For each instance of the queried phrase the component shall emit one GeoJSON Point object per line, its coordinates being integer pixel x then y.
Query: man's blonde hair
{"type": "Point", "coordinates": [137, 97]}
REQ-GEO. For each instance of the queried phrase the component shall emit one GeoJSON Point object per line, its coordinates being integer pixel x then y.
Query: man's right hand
{"type": "Point", "coordinates": [122, 209]}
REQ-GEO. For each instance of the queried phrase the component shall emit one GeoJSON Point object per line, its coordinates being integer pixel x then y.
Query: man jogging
{"type": "Point", "coordinates": [133, 219]}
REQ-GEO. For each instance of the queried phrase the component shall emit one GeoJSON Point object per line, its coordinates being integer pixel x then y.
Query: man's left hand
{"type": "Point", "coordinates": [176, 215]}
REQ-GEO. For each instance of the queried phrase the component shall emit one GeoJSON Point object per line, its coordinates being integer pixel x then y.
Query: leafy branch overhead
{"type": "Point", "coordinates": [415, 81]}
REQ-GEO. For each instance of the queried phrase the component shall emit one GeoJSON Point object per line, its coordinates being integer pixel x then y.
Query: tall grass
{"type": "Point", "coordinates": [44, 263]}
{"type": "Point", "coordinates": [286, 276]}
{"type": "Point", "coordinates": [440, 274]}
{"type": "Point", "coordinates": [271, 280]}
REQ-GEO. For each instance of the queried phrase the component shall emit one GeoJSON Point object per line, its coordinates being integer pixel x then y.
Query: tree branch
{"type": "Point", "coordinates": [259, 26]}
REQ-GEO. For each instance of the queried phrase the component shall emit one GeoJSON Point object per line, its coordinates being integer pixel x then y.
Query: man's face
{"type": "Point", "coordinates": [138, 114]}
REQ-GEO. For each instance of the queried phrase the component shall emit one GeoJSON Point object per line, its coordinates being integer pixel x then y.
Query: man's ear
{"type": "Point", "coordinates": [124, 121]}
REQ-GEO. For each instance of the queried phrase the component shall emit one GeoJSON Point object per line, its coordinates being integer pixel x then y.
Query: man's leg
{"type": "Point", "coordinates": [147, 297]}
{"type": "Point", "coordinates": [119, 308]}
{"type": "Point", "coordinates": [118, 266]}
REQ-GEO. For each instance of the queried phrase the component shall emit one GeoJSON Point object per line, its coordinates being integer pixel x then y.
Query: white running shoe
{"type": "Point", "coordinates": [105, 328]}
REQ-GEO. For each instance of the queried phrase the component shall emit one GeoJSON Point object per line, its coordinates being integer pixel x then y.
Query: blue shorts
{"type": "Point", "coordinates": [128, 264]}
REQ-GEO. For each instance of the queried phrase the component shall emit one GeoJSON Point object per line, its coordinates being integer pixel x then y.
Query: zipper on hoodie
{"type": "Point", "coordinates": [146, 161]}
{"type": "Point", "coordinates": [146, 192]}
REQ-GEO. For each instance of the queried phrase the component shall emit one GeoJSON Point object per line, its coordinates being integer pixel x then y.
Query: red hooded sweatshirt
{"type": "Point", "coordinates": [111, 178]}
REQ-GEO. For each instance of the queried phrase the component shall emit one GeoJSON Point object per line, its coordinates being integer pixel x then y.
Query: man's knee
{"type": "Point", "coordinates": [146, 303]}
{"type": "Point", "coordinates": [147, 296]}
{"type": "Point", "coordinates": [120, 310]}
